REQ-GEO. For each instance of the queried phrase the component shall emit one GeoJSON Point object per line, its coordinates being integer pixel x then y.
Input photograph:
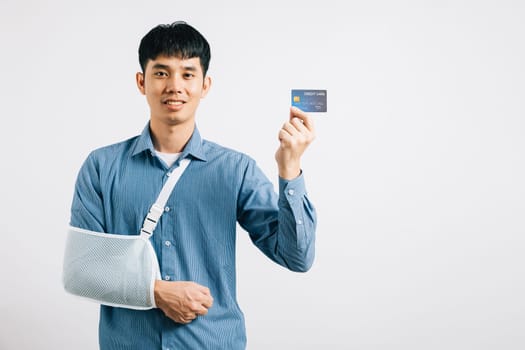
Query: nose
{"type": "Point", "coordinates": [174, 84]}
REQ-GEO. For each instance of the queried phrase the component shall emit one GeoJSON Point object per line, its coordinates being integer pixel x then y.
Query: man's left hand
{"type": "Point", "coordinates": [295, 136]}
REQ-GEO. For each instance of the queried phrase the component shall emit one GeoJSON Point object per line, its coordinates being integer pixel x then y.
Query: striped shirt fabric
{"type": "Point", "coordinates": [195, 237]}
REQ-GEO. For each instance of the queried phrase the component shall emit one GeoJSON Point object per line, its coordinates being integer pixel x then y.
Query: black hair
{"type": "Point", "coordinates": [177, 39]}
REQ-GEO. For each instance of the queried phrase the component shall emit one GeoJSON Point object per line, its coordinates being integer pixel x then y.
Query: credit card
{"type": "Point", "coordinates": [309, 100]}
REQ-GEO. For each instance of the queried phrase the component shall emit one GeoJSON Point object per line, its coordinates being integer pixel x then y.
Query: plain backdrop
{"type": "Point", "coordinates": [417, 170]}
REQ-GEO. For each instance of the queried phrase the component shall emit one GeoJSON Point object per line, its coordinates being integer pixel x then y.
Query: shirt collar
{"type": "Point", "coordinates": [193, 147]}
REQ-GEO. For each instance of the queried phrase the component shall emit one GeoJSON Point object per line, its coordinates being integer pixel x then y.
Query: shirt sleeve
{"type": "Point", "coordinates": [87, 209]}
{"type": "Point", "coordinates": [281, 225]}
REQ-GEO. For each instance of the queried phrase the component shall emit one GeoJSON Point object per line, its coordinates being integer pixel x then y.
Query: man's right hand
{"type": "Point", "coordinates": [182, 301]}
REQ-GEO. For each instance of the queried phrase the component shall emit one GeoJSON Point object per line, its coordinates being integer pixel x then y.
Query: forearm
{"type": "Point", "coordinates": [295, 238]}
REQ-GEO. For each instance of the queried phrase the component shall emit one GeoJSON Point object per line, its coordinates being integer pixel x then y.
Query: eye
{"type": "Point", "coordinates": [160, 74]}
{"type": "Point", "coordinates": [188, 75]}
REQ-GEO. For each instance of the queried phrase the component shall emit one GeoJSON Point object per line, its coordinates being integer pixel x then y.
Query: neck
{"type": "Point", "coordinates": [170, 138]}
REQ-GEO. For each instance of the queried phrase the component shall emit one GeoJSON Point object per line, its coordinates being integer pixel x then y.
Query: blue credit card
{"type": "Point", "coordinates": [309, 100]}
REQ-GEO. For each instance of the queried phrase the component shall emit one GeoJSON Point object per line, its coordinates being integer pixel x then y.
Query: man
{"type": "Point", "coordinates": [195, 238]}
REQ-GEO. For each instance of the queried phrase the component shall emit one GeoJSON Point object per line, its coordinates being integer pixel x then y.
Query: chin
{"type": "Point", "coordinates": [178, 120]}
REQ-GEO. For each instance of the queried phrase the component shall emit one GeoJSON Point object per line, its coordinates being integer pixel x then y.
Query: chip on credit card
{"type": "Point", "coordinates": [309, 100]}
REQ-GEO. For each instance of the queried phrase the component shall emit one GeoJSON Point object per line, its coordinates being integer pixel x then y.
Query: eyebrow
{"type": "Point", "coordinates": [160, 66]}
{"type": "Point", "coordinates": [190, 68]}
{"type": "Point", "coordinates": [166, 67]}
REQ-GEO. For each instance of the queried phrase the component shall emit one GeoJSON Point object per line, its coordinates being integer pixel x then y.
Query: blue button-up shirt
{"type": "Point", "coordinates": [195, 237]}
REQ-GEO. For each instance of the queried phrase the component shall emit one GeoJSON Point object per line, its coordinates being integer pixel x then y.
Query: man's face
{"type": "Point", "coordinates": [173, 88]}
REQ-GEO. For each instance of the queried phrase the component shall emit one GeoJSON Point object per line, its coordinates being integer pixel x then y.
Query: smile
{"type": "Point", "coordinates": [174, 102]}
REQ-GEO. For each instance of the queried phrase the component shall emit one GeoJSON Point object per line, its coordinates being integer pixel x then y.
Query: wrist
{"type": "Point", "coordinates": [289, 173]}
{"type": "Point", "coordinates": [157, 292]}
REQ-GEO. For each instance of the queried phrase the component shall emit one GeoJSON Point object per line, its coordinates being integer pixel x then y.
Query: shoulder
{"type": "Point", "coordinates": [110, 153]}
{"type": "Point", "coordinates": [216, 152]}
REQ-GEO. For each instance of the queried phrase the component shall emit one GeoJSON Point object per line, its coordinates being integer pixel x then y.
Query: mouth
{"type": "Point", "coordinates": [171, 102]}
{"type": "Point", "coordinates": [173, 105]}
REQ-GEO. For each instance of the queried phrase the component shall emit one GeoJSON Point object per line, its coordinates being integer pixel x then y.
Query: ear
{"type": "Point", "coordinates": [140, 82]}
{"type": "Point", "coordinates": [206, 85]}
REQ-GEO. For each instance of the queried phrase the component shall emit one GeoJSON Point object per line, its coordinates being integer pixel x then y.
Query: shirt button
{"type": "Point", "coordinates": [291, 192]}
{"type": "Point", "coordinates": [167, 209]}
{"type": "Point", "coordinates": [167, 277]}
{"type": "Point", "coordinates": [167, 244]}
{"type": "Point", "coordinates": [299, 222]}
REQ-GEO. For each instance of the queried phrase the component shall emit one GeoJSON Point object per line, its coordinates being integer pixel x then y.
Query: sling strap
{"type": "Point", "coordinates": [156, 210]}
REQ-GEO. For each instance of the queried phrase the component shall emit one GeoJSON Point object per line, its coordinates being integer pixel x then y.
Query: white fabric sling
{"type": "Point", "coordinates": [113, 269]}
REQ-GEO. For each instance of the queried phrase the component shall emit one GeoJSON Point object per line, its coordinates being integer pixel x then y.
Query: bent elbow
{"type": "Point", "coordinates": [302, 268]}
{"type": "Point", "coordinates": [303, 265]}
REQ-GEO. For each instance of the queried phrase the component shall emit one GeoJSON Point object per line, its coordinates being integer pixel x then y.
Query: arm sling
{"type": "Point", "coordinates": [113, 269]}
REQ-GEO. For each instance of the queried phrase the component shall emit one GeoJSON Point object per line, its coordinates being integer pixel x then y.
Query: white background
{"type": "Point", "coordinates": [417, 171]}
